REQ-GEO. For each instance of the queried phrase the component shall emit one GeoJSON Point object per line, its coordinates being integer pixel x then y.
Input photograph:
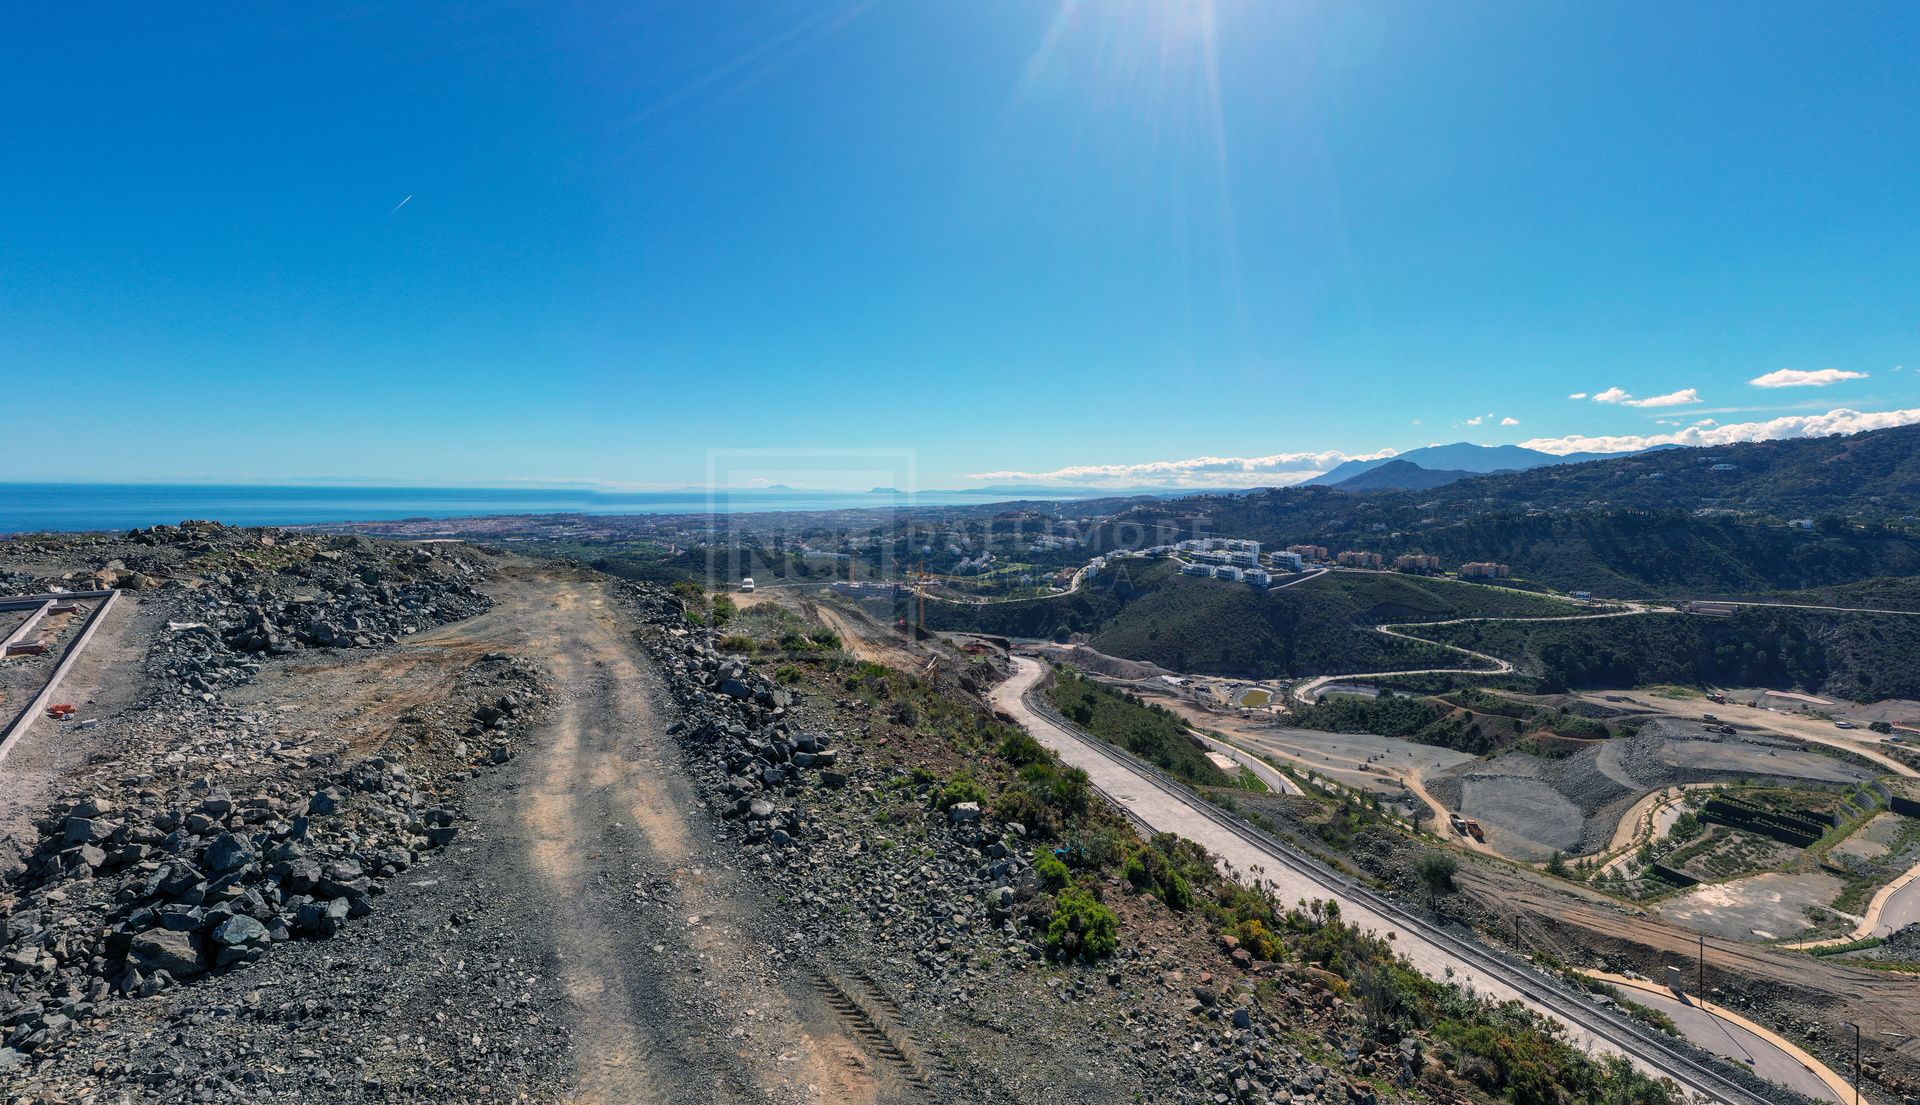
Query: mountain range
{"type": "Point", "coordinates": [1461, 458]}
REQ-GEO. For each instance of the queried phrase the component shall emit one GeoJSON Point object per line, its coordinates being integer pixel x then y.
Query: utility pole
{"type": "Point", "coordinates": [1856, 1059]}
{"type": "Point", "coordinates": [1703, 970]}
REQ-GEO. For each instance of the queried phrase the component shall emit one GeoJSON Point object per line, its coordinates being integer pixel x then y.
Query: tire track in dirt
{"type": "Point", "coordinates": [661, 953]}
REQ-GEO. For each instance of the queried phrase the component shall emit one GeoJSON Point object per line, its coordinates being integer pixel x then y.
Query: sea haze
{"type": "Point", "coordinates": [36, 507]}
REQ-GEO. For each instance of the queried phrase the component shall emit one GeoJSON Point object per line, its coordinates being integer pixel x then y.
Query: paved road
{"type": "Point", "coordinates": [1830, 609]}
{"type": "Point", "coordinates": [1305, 692]}
{"type": "Point", "coordinates": [1262, 770]}
{"type": "Point", "coordinates": [1897, 906]}
{"type": "Point", "coordinates": [1765, 1053]}
{"type": "Point", "coordinates": [1168, 808]}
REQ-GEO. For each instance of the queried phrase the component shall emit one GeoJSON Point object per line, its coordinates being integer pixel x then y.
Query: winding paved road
{"type": "Point", "coordinates": [1305, 692]}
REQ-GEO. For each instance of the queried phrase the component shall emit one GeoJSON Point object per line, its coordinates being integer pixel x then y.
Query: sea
{"type": "Point", "coordinates": [44, 507]}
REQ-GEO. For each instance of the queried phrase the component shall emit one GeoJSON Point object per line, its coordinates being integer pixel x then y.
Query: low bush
{"type": "Point", "coordinates": [961, 788]}
{"type": "Point", "coordinates": [1082, 927]}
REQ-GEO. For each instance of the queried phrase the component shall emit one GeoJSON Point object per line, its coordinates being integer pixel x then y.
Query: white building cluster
{"type": "Point", "coordinates": [1224, 550]}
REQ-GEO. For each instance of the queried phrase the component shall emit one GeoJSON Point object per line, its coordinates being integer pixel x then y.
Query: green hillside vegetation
{"type": "Point", "coordinates": [1611, 552]}
{"type": "Point", "coordinates": [1182, 623]}
{"type": "Point", "coordinates": [1871, 477]}
{"type": "Point", "coordinates": [1373, 598]}
{"type": "Point", "coordinates": [1467, 720]}
{"type": "Point", "coordinates": [1631, 554]}
{"type": "Point", "coordinates": [1084, 611]}
{"type": "Point", "coordinates": [1387, 716]}
{"type": "Point", "coordinates": [1665, 523]}
{"type": "Point", "coordinates": [1215, 626]}
{"type": "Point", "coordinates": [1893, 593]}
{"type": "Point", "coordinates": [1865, 657]}
{"type": "Point", "coordinates": [1149, 732]}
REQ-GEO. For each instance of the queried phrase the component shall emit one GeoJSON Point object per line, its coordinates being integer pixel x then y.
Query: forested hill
{"type": "Point", "coordinates": [1669, 522]}
{"type": "Point", "coordinates": [1870, 476]}
{"type": "Point", "coordinates": [1867, 477]}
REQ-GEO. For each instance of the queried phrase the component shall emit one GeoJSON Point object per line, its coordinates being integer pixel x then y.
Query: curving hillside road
{"type": "Point", "coordinates": [1162, 805]}
{"type": "Point", "coordinates": [1771, 1056]}
{"type": "Point", "coordinates": [1305, 692]}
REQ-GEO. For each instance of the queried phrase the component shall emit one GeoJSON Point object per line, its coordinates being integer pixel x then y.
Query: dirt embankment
{"type": "Point", "coordinates": [1532, 807]}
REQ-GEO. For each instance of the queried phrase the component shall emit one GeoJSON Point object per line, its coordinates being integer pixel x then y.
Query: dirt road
{"type": "Point", "coordinates": [1860, 742]}
{"type": "Point", "coordinates": [657, 944]}
{"type": "Point", "coordinates": [864, 637]}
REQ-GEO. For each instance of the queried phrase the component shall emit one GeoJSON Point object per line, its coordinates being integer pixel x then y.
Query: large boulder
{"type": "Point", "coordinates": [163, 949]}
{"type": "Point", "coordinates": [228, 853]}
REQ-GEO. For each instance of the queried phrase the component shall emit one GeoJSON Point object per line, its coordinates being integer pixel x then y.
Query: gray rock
{"type": "Point", "coordinates": [239, 929]}
{"type": "Point", "coordinates": [166, 950]}
{"type": "Point", "coordinates": [86, 830]}
{"type": "Point", "coordinates": [93, 807]}
{"type": "Point", "coordinates": [228, 852]}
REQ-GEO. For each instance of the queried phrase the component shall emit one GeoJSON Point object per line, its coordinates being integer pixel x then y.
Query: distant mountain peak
{"type": "Point", "coordinates": [1461, 457]}
{"type": "Point", "coordinates": [1401, 475]}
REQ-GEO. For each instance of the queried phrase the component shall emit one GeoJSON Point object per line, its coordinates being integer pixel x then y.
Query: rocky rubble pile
{"type": "Point", "coordinates": [236, 596]}
{"type": "Point", "coordinates": [209, 834]}
{"type": "Point", "coordinates": [138, 886]}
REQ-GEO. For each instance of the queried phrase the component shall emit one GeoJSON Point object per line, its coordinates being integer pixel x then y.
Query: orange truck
{"type": "Point", "coordinates": [1473, 827]}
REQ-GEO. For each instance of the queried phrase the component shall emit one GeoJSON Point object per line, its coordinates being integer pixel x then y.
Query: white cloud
{"type": "Point", "coordinates": [1802, 378]}
{"type": "Point", "coordinates": [1279, 469]}
{"type": "Point", "coordinates": [1476, 420]}
{"type": "Point", "coordinates": [1816, 425]}
{"type": "Point", "coordinates": [1509, 421]}
{"type": "Point", "coordinates": [1578, 395]}
{"type": "Point", "coordinates": [1671, 399]}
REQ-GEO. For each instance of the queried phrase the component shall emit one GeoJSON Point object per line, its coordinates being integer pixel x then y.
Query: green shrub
{"type": "Point", "coordinates": [1259, 940]}
{"type": "Point", "coordinates": [961, 788]}
{"type": "Point", "coordinates": [1020, 749]}
{"type": "Point", "coordinates": [1156, 869]}
{"type": "Point", "coordinates": [734, 642]}
{"type": "Point", "coordinates": [1082, 926]}
{"type": "Point", "coordinates": [1019, 803]}
{"type": "Point", "coordinates": [1053, 873]}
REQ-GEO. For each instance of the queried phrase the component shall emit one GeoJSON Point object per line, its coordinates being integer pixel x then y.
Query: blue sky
{"type": "Point", "coordinates": [1077, 243]}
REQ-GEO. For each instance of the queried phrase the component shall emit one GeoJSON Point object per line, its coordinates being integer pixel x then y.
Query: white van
{"type": "Point", "coordinates": [746, 584]}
